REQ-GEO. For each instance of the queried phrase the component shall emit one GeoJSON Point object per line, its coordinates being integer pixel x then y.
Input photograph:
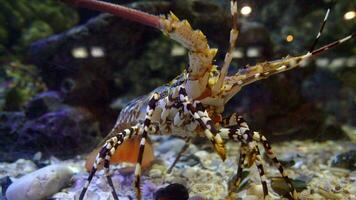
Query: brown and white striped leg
{"type": "Point", "coordinates": [147, 128]}
{"type": "Point", "coordinates": [268, 149]}
{"type": "Point", "coordinates": [239, 131]}
{"type": "Point", "coordinates": [235, 182]}
{"type": "Point", "coordinates": [234, 120]}
{"type": "Point", "coordinates": [261, 171]}
{"type": "Point", "coordinates": [105, 154]}
{"type": "Point", "coordinates": [249, 150]}
{"type": "Point", "coordinates": [199, 114]}
{"type": "Point", "coordinates": [180, 153]}
{"type": "Point", "coordinates": [108, 177]}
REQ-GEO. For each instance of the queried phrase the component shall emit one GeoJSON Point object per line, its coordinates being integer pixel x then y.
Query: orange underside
{"type": "Point", "coordinates": [126, 152]}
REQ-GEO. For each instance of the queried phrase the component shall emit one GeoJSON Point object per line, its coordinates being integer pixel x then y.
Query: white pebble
{"type": "Point", "coordinates": [40, 184]}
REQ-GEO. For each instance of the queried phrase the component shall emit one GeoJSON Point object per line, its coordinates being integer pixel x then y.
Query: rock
{"type": "Point", "coordinates": [345, 160]}
{"type": "Point", "coordinates": [42, 103]}
{"type": "Point", "coordinates": [18, 168]}
{"type": "Point", "coordinates": [280, 186]}
{"type": "Point", "coordinates": [40, 184]}
{"type": "Point", "coordinates": [5, 182]}
{"type": "Point", "coordinates": [10, 124]}
{"type": "Point", "coordinates": [255, 190]}
{"type": "Point", "coordinates": [197, 198]}
{"type": "Point", "coordinates": [173, 191]}
{"type": "Point", "coordinates": [59, 133]}
{"type": "Point", "coordinates": [54, 129]}
{"type": "Point", "coordinates": [174, 144]}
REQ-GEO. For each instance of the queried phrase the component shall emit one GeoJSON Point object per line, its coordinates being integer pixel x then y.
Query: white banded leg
{"type": "Point", "coordinates": [239, 131]}
{"type": "Point", "coordinates": [235, 182]}
{"type": "Point", "coordinates": [248, 149]}
{"type": "Point", "coordinates": [261, 171]}
{"type": "Point", "coordinates": [199, 114]}
{"type": "Point", "coordinates": [271, 155]}
{"type": "Point", "coordinates": [105, 154]}
{"type": "Point", "coordinates": [146, 129]}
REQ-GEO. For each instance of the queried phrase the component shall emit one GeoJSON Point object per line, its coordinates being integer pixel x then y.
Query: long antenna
{"type": "Point", "coordinates": [331, 45]}
{"type": "Point", "coordinates": [120, 11]}
{"type": "Point", "coordinates": [320, 31]}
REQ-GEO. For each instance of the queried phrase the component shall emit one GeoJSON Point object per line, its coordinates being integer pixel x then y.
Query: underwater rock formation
{"type": "Point", "coordinates": [42, 103]}
{"type": "Point", "coordinates": [40, 184]}
{"type": "Point", "coordinates": [48, 126]}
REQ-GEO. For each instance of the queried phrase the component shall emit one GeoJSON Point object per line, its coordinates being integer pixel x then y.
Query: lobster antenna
{"type": "Point", "coordinates": [120, 11]}
{"type": "Point", "coordinates": [331, 45]}
{"type": "Point", "coordinates": [320, 31]}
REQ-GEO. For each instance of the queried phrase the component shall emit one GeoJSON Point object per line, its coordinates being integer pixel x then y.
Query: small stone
{"type": "Point", "coordinates": [345, 160]}
{"type": "Point", "coordinates": [251, 197]}
{"type": "Point", "coordinates": [18, 168]}
{"type": "Point", "coordinates": [40, 184]}
{"type": "Point", "coordinates": [255, 190]}
{"type": "Point", "coordinates": [189, 172]}
{"type": "Point", "coordinates": [43, 103]}
{"type": "Point", "coordinates": [89, 195]}
{"type": "Point", "coordinates": [155, 173]}
{"type": "Point", "coordinates": [188, 160]}
{"type": "Point", "coordinates": [174, 145]}
{"type": "Point", "coordinates": [37, 156]}
{"type": "Point", "coordinates": [196, 198]}
{"type": "Point", "coordinates": [173, 191]}
{"type": "Point", "coordinates": [5, 183]}
{"type": "Point", "coordinates": [280, 186]}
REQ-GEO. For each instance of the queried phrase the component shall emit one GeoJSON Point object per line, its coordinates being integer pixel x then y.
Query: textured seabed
{"type": "Point", "coordinates": [205, 175]}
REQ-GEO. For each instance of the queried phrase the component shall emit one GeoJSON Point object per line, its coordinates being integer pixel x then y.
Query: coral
{"type": "Point", "coordinates": [21, 83]}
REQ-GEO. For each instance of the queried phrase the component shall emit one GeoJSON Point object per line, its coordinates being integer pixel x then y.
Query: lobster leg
{"type": "Point", "coordinates": [234, 121]}
{"type": "Point", "coordinates": [228, 56]}
{"type": "Point", "coordinates": [249, 149]}
{"type": "Point", "coordinates": [108, 177]}
{"type": "Point", "coordinates": [267, 146]}
{"type": "Point", "coordinates": [259, 165]}
{"type": "Point", "coordinates": [183, 149]}
{"type": "Point", "coordinates": [199, 113]}
{"type": "Point", "coordinates": [236, 180]}
{"type": "Point", "coordinates": [239, 131]}
{"type": "Point", "coordinates": [147, 128]}
{"type": "Point", "coordinates": [105, 153]}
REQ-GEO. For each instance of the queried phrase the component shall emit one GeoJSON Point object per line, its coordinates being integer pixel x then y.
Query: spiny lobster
{"type": "Point", "coordinates": [193, 103]}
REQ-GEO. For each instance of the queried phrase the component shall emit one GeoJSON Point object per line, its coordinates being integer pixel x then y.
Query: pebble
{"type": "Point", "coordinates": [255, 190]}
{"type": "Point", "coordinates": [18, 168]}
{"type": "Point", "coordinates": [40, 184]}
{"type": "Point", "coordinates": [5, 182]}
{"type": "Point", "coordinates": [155, 173]}
{"type": "Point", "coordinates": [174, 145]}
{"type": "Point", "coordinates": [188, 160]}
{"type": "Point", "coordinates": [345, 160]}
{"type": "Point", "coordinates": [197, 198]}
